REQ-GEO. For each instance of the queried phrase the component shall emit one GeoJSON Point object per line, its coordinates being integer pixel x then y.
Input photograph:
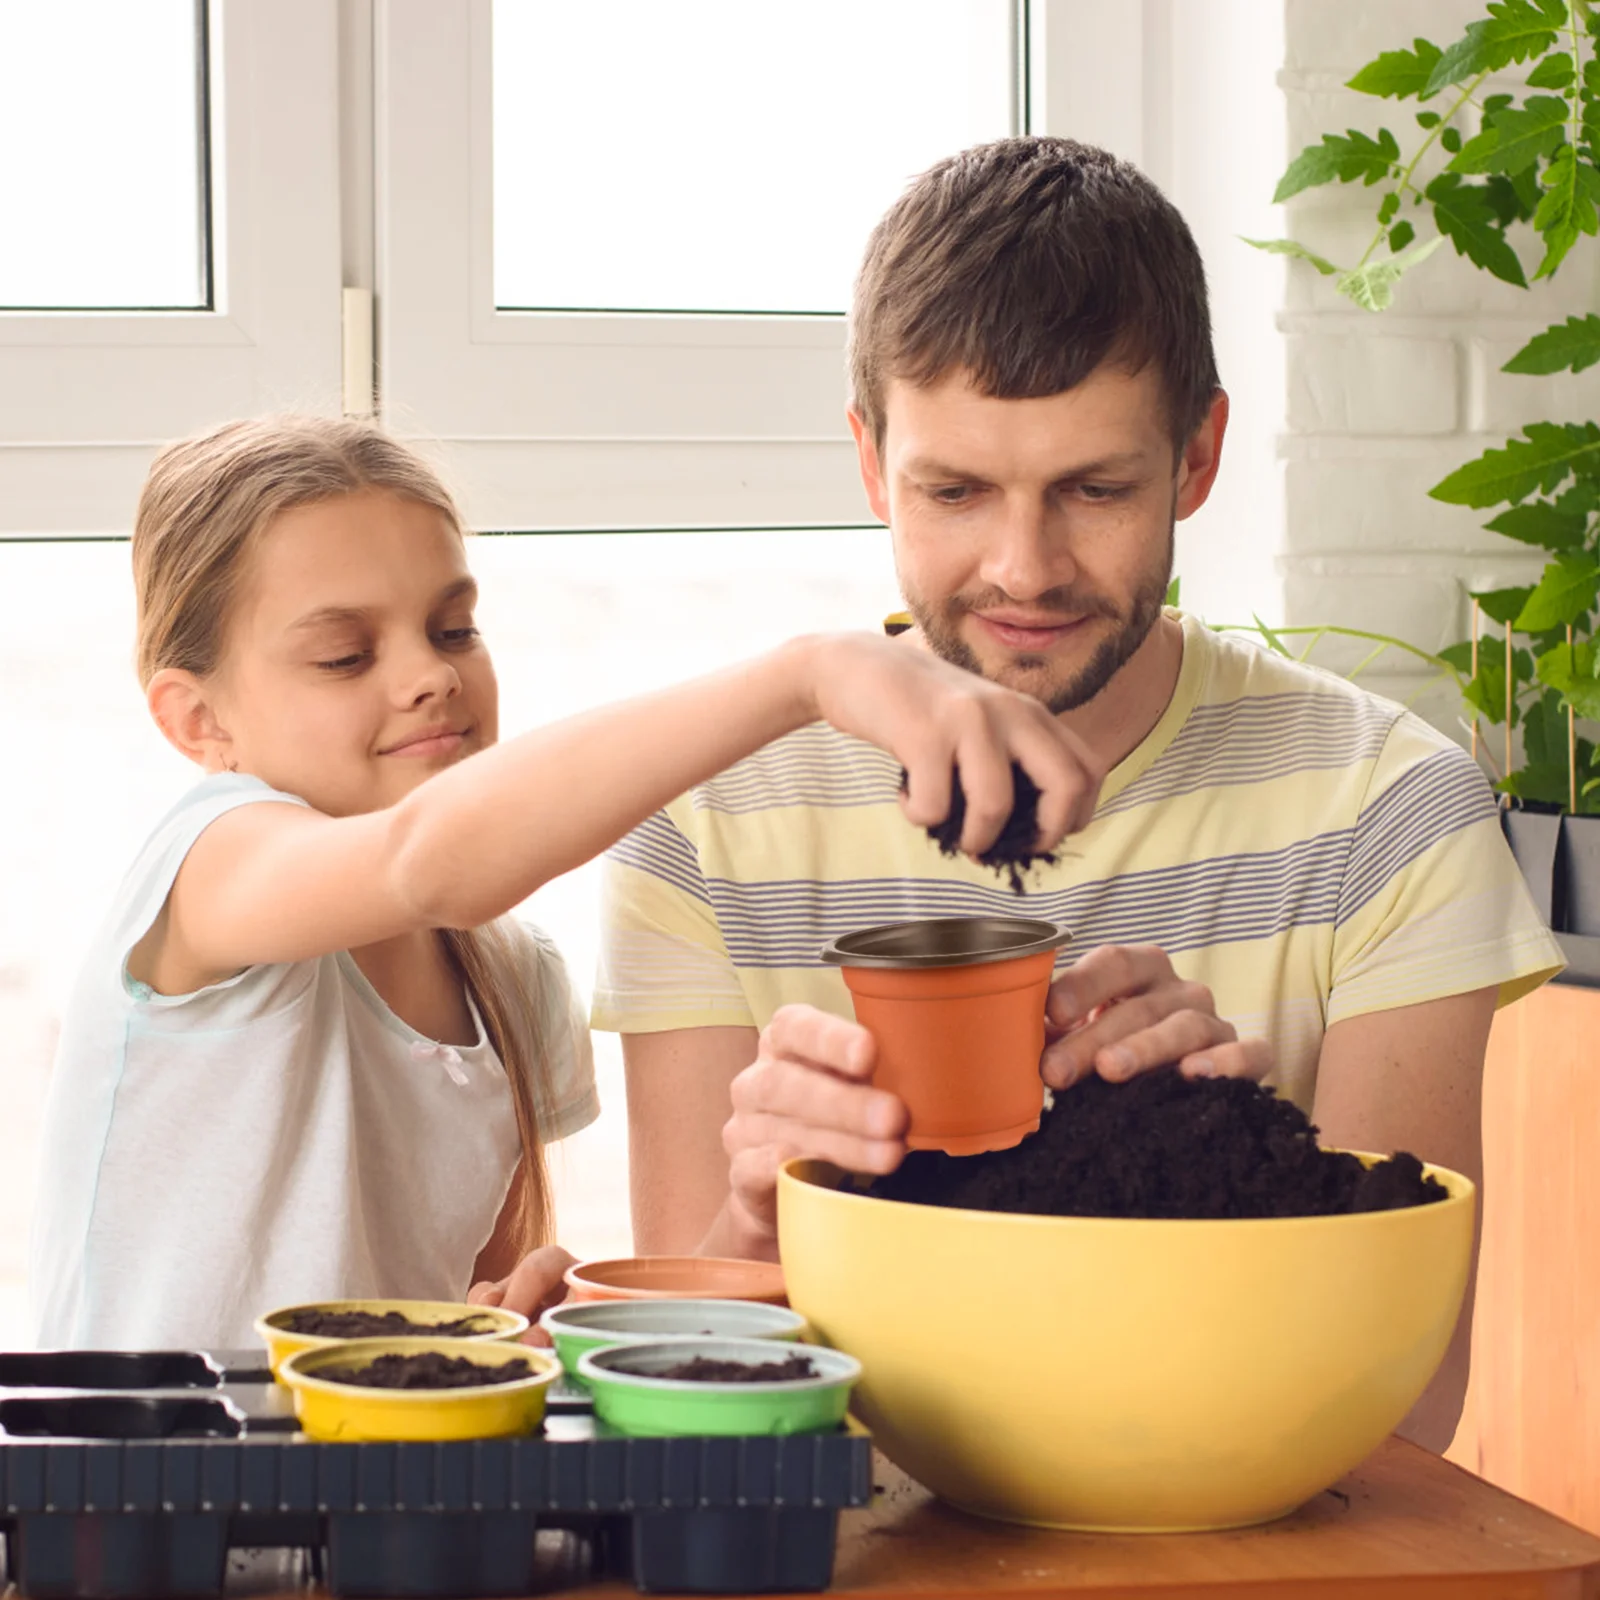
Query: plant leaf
{"type": "Point", "coordinates": [1372, 286]}
{"type": "Point", "coordinates": [1400, 235]}
{"type": "Point", "coordinates": [1458, 656]}
{"type": "Point", "coordinates": [1516, 137]}
{"type": "Point", "coordinates": [1501, 605]}
{"type": "Point", "coordinates": [1266, 633]}
{"type": "Point", "coordinates": [1513, 31]}
{"type": "Point", "coordinates": [1554, 72]}
{"type": "Point", "coordinates": [1568, 207]}
{"type": "Point", "coordinates": [1469, 219]}
{"type": "Point", "coordinates": [1288, 247]}
{"type": "Point", "coordinates": [1542, 524]}
{"type": "Point", "coordinates": [1570, 345]}
{"type": "Point", "coordinates": [1398, 74]}
{"type": "Point", "coordinates": [1569, 669]}
{"type": "Point", "coordinates": [1346, 156]}
{"type": "Point", "coordinates": [1530, 465]}
{"type": "Point", "coordinates": [1565, 593]}
{"type": "Point", "coordinates": [1174, 589]}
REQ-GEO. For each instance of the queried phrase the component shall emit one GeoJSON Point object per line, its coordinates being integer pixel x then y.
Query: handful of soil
{"type": "Point", "coordinates": [377, 1325]}
{"type": "Point", "coordinates": [427, 1369]}
{"type": "Point", "coordinates": [1013, 852]}
{"type": "Point", "coordinates": [1162, 1145]}
{"type": "Point", "coordinates": [705, 1369]}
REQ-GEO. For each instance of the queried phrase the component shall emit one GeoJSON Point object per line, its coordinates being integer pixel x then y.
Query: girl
{"type": "Point", "coordinates": [309, 1055]}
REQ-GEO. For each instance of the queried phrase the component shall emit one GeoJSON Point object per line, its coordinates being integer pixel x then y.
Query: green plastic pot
{"type": "Point", "coordinates": [577, 1328]}
{"type": "Point", "coordinates": [631, 1400]}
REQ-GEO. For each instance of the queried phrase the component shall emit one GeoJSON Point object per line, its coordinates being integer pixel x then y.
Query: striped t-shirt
{"type": "Point", "coordinates": [1307, 850]}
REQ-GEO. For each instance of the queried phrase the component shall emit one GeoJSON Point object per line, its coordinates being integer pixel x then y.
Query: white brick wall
{"type": "Point", "coordinates": [1380, 407]}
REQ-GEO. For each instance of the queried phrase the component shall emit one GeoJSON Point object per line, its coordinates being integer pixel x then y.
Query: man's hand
{"type": "Point", "coordinates": [532, 1287]}
{"type": "Point", "coordinates": [807, 1093]}
{"type": "Point", "coordinates": [1122, 1010]}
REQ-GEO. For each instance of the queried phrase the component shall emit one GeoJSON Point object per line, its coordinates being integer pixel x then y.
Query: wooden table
{"type": "Point", "coordinates": [1407, 1525]}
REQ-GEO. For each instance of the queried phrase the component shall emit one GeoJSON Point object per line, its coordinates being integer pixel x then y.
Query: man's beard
{"type": "Point", "coordinates": [941, 628]}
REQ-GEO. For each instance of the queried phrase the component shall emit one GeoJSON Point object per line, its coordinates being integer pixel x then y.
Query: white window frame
{"type": "Point", "coordinates": [556, 420]}
{"type": "Point", "coordinates": [87, 397]}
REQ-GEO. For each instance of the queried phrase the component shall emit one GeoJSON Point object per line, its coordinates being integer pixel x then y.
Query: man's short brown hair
{"type": "Point", "coordinates": [1028, 263]}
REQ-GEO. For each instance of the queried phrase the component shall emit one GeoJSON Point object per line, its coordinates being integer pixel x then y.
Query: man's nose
{"type": "Point", "coordinates": [1020, 556]}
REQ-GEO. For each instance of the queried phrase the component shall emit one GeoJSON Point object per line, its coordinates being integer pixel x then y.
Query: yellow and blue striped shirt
{"type": "Point", "coordinates": [1309, 851]}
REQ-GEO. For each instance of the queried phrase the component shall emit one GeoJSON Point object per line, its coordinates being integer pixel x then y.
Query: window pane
{"type": "Point", "coordinates": [100, 155]}
{"type": "Point", "coordinates": [724, 155]}
{"type": "Point", "coordinates": [572, 621]}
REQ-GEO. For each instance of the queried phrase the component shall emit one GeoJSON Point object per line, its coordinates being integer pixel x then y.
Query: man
{"type": "Point", "coordinates": [1284, 876]}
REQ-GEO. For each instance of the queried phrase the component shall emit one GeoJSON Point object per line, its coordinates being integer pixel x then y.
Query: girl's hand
{"type": "Point", "coordinates": [937, 718]}
{"type": "Point", "coordinates": [532, 1287]}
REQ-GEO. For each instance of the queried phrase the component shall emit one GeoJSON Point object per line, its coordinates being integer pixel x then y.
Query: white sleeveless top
{"type": "Point", "coordinates": [278, 1137]}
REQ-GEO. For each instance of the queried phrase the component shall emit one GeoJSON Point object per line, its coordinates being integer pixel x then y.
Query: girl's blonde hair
{"type": "Point", "coordinates": [204, 504]}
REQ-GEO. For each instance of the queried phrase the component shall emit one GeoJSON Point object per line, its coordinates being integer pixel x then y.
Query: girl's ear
{"type": "Point", "coordinates": [184, 711]}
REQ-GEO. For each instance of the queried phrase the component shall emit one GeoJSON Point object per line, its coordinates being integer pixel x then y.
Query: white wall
{"type": "Point", "coordinates": [1381, 406]}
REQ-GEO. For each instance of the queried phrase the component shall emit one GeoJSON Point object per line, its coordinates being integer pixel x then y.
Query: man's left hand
{"type": "Point", "coordinates": [1122, 1010]}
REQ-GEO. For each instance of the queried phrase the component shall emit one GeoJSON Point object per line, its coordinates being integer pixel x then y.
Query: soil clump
{"type": "Point", "coordinates": [706, 1369]}
{"type": "Point", "coordinates": [1162, 1145]}
{"type": "Point", "coordinates": [1012, 853]}
{"type": "Point", "coordinates": [378, 1325]}
{"type": "Point", "coordinates": [427, 1369]}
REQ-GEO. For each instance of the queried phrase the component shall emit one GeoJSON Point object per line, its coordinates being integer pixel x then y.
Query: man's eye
{"type": "Point", "coordinates": [1102, 491]}
{"type": "Point", "coordinates": [457, 636]}
{"type": "Point", "coordinates": [953, 494]}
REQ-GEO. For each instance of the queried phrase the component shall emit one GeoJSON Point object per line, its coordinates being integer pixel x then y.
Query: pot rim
{"type": "Point", "coordinates": [1013, 938]}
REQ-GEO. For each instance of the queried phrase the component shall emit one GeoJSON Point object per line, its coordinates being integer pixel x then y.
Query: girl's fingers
{"type": "Point", "coordinates": [536, 1282]}
{"type": "Point", "coordinates": [486, 1294]}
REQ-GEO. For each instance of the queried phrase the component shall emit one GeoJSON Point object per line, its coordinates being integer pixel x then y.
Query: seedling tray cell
{"type": "Point", "coordinates": [126, 1475]}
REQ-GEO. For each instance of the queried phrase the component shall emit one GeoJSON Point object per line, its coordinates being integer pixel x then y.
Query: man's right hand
{"type": "Point", "coordinates": [807, 1093]}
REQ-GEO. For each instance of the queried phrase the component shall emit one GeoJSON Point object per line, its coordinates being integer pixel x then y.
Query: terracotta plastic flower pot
{"type": "Point", "coordinates": [676, 1278]}
{"type": "Point", "coordinates": [956, 1005]}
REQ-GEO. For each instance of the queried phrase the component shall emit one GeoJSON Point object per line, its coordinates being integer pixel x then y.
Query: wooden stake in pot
{"type": "Point", "coordinates": [1508, 699]}
{"type": "Point", "coordinates": [1476, 612]}
{"type": "Point", "coordinates": [1572, 740]}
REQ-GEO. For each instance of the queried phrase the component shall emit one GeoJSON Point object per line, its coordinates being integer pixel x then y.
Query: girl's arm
{"type": "Point", "coordinates": [276, 883]}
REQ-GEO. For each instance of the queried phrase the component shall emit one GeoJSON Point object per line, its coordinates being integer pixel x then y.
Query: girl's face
{"type": "Point", "coordinates": [352, 669]}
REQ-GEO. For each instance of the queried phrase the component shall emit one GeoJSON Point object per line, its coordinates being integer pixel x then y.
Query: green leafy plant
{"type": "Point", "coordinates": [1492, 171]}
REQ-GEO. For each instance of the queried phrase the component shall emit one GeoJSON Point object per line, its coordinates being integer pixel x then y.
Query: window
{"type": "Point", "coordinates": [552, 174]}
{"type": "Point", "coordinates": [85, 393]}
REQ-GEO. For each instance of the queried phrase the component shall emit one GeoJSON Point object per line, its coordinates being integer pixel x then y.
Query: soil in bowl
{"type": "Point", "coordinates": [1013, 852]}
{"type": "Point", "coordinates": [1162, 1145]}
{"type": "Point", "coordinates": [706, 1369]}
{"type": "Point", "coordinates": [427, 1369]}
{"type": "Point", "coordinates": [376, 1325]}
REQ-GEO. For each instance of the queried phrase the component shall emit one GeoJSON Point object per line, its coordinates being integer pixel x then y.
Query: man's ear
{"type": "Point", "coordinates": [184, 710]}
{"type": "Point", "coordinates": [871, 467]}
{"type": "Point", "coordinates": [1197, 466]}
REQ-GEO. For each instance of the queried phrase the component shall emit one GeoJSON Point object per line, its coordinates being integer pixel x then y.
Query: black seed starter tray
{"type": "Point", "coordinates": [132, 1475]}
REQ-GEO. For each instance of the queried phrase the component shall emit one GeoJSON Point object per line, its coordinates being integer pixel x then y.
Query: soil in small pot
{"type": "Point", "coordinates": [1012, 853]}
{"type": "Point", "coordinates": [427, 1369]}
{"type": "Point", "coordinates": [706, 1369]}
{"type": "Point", "coordinates": [377, 1325]}
{"type": "Point", "coordinates": [1162, 1145]}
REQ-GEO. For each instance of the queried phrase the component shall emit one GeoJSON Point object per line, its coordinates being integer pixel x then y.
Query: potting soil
{"type": "Point", "coordinates": [705, 1369]}
{"type": "Point", "coordinates": [1012, 853]}
{"type": "Point", "coordinates": [377, 1325]}
{"type": "Point", "coordinates": [427, 1369]}
{"type": "Point", "coordinates": [1162, 1145]}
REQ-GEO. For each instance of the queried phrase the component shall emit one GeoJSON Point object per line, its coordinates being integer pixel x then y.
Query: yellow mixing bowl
{"type": "Point", "coordinates": [347, 1412]}
{"type": "Point", "coordinates": [1134, 1375]}
{"type": "Point", "coordinates": [496, 1324]}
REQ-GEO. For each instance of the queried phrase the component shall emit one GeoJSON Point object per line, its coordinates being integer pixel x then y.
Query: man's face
{"type": "Point", "coordinates": [1033, 538]}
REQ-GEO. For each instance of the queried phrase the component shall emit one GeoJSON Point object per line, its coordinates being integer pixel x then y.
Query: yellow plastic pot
{"type": "Point", "coordinates": [1148, 1376]}
{"type": "Point", "coordinates": [343, 1411]}
{"type": "Point", "coordinates": [497, 1324]}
